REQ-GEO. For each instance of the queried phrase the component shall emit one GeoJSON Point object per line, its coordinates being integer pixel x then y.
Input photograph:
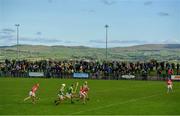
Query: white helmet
{"type": "Point", "coordinates": [63, 85]}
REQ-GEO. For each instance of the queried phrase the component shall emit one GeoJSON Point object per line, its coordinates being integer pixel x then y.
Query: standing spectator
{"type": "Point", "coordinates": [170, 72]}
{"type": "Point", "coordinates": [177, 72]}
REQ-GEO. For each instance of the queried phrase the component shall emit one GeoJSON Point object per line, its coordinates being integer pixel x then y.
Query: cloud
{"type": "Point", "coordinates": [7, 35]}
{"type": "Point", "coordinates": [40, 40]}
{"type": "Point", "coordinates": [115, 43]}
{"type": "Point", "coordinates": [7, 31]}
{"type": "Point", "coordinates": [11, 40]}
{"type": "Point", "coordinates": [109, 2]}
{"type": "Point", "coordinates": [119, 41]}
{"type": "Point", "coordinates": [69, 42]}
{"type": "Point", "coordinates": [147, 3]}
{"type": "Point", "coordinates": [38, 33]}
{"type": "Point", "coordinates": [171, 41]}
{"type": "Point", "coordinates": [97, 41]}
{"type": "Point", "coordinates": [50, 1]}
{"type": "Point", "coordinates": [128, 41]}
{"type": "Point", "coordinates": [163, 14]}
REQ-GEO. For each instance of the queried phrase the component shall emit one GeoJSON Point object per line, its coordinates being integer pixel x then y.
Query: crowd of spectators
{"type": "Point", "coordinates": [95, 69]}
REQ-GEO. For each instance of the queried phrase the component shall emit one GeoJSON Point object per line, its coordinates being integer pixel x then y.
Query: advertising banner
{"type": "Point", "coordinates": [80, 75]}
{"type": "Point", "coordinates": [36, 74]}
{"type": "Point", "coordinates": [128, 76]}
{"type": "Point", "coordinates": [175, 77]}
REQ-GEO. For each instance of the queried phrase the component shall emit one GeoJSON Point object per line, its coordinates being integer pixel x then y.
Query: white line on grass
{"type": "Point", "coordinates": [110, 105]}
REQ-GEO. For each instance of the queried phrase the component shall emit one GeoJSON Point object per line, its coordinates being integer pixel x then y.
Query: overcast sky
{"type": "Point", "coordinates": [81, 22]}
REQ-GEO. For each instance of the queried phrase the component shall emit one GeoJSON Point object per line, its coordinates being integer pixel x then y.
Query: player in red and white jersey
{"type": "Point", "coordinates": [82, 94]}
{"type": "Point", "coordinates": [32, 93]}
{"type": "Point", "coordinates": [86, 89]}
{"type": "Point", "coordinates": [169, 85]}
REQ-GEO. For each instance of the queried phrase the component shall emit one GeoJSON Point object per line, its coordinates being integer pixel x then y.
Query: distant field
{"type": "Point", "coordinates": [110, 97]}
{"type": "Point", "coordinates": [160, 52]}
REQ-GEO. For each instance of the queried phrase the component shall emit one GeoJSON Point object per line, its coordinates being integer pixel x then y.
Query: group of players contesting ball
{"type": "Point", "coordinates": [72, 94]}
{"type": "Point", "coordinates": [64, 93]}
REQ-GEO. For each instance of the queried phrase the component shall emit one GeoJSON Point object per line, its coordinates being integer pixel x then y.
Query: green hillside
{"type": "Point", "coordinates": [169, 52]}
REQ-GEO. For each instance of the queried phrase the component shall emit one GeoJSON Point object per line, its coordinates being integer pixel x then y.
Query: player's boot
{"type": "Point", "coordinates": [72, 102]}
{"type": "Point", "coordinates": [55, 101]}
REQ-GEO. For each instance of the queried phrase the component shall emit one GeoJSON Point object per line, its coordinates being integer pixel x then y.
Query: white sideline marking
{"type": "Point", "coordinates": [106, 106]}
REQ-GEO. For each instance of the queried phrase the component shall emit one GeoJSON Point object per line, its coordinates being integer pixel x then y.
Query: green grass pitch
{"type": "Point", "coordinates": [107, 97]}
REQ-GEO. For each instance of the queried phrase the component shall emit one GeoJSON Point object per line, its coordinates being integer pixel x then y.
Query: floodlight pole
{"type": "Point", "coordinates": [106, 26]}
{"type": "Point", "coordinates": [17, 27]}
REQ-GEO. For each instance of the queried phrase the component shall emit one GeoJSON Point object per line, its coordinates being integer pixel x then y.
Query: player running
{"type": "Point", "coordinates": [61, 95]}
{"type": "Point", "coordinates": [86, 89]}
{"type": "Point", "coordinates": [169, 85]}
{"type": "Point", "coordinates": [32, 93]}
{"type": "Point", "coordinates": [69, 93]}
{"type": "Point", "coordinates": [82, 94]}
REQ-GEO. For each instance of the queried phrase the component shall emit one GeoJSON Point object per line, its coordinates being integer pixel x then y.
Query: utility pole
{"type": "Point", "coordinates": [17, 26]}
{"type": "Point", "coordinates": [106, 26]}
